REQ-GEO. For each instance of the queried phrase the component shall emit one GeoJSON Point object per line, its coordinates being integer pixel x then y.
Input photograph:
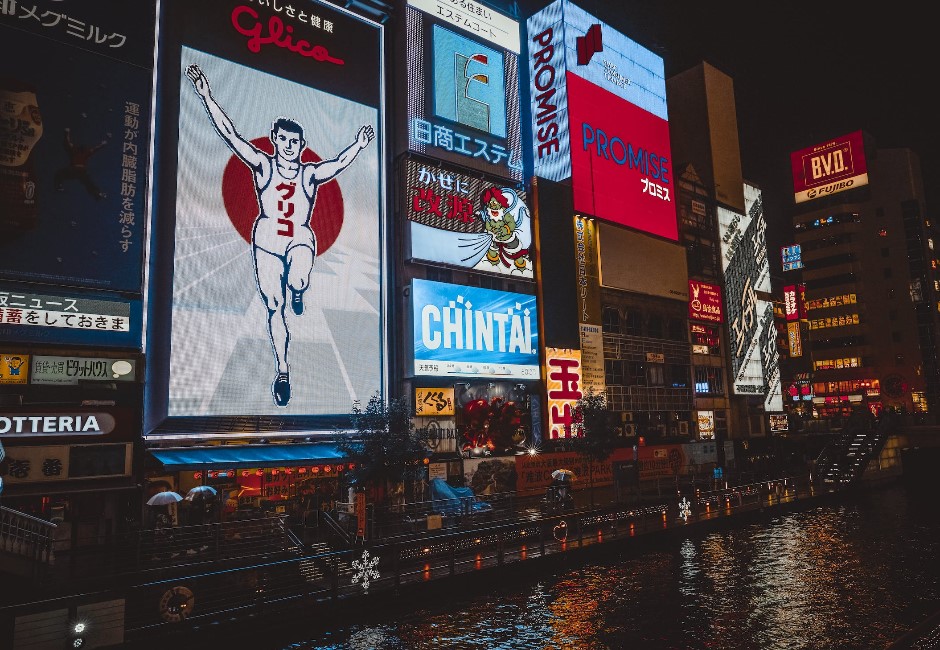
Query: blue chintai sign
{"type": "Point", "coordinates": [473, 332]}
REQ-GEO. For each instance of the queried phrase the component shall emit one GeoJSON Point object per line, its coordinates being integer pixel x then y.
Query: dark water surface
{"type": "Point", "coordinates": [850, 574]}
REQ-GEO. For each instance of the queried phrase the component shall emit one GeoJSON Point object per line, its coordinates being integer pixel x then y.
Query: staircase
{"type": "Point", "coordinates": [843, 463]}
{"type": "Point", "coordinates": [26, 543]}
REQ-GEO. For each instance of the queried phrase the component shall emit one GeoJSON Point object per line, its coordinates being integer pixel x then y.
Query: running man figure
{"type": "Point", "coordinates": [283, 245]}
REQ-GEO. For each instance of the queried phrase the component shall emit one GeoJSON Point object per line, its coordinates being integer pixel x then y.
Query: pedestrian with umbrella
{"type": "Point", "coordinates": [559, 491]}
{"type": "Point", "coordinates": [202, 500]}
{"type": "Point", "coordinates": [163, 521]}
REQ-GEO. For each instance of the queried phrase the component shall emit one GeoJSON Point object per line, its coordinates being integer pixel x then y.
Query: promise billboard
{"type": "Point", "coordinates": [599, 117]}
{"type": "Point", "coordinates": [830, 167]}
{"type": "Point", "coordinates": [273, 216]}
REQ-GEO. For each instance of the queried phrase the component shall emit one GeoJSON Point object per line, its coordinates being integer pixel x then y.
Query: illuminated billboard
{"type": "Point", "coordinates": [599, 117]}
{"type": "Point", "coordinates": [563, 388]}
{"type": "Point", "coordinates": [792, 257]}
{"type": "Point", "coordinates": [75, 99]}
{"type": "Point", "coordinates": [463, 86]}
{"type": "Point", "coordinates": [273, 217]}
{"type": "Point", "coordinates": [632, 272]}
{"type": "Point", "coordinates": [705, 301]}
{"type": "Point", "coordinates": [830, 167]}
{"type": "Point", "coordinates": [473, 332]}
{"type": "Point", "coordinates": [67, 317]}
{"type": "Point", "coordinates": [467, 222]}
{"type": "Point", "coordinates": [746, 270]}
{"type": "Point", "coordinates": [770, 362]}
{"type": "Point", "coordinates": [790, 308]}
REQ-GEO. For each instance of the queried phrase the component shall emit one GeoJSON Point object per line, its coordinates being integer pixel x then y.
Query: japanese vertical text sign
{"type": "Point", "coordinates": [473, 332]}
{"type": "Point", "coordinates": [276, 207]}
{"type": "Point", "coordinates": [830, 167]}
{"type": "Point", "coordinates": [75, 100]}
{"type": "Point", "coordinates": [747, 271]}
{"type": "Point", "coordinates": [466, 221]}
{"type": "Point", "coordinates": [599, 117]}
{"type": "Point", "coordinates": [563, 387]}
{"type": "Point", "coordinates": [463, 86]}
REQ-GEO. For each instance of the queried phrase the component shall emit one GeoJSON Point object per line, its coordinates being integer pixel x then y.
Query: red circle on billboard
{"type": "Point", "coordinates": [241, 199]}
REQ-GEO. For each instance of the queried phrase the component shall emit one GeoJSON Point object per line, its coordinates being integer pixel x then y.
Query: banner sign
{"type": "Point", "coordinates": [587, 263]}
{"type": "Point", "coordinates": [563, 388]}
{"type": "Point", "coordinates": [463, 86]}
{"type": "Point", "coordinates": [829, 168]}
{"type": "Point", "coordinates": [705, 301]}
{"type": "Point", "coordinates": [57, 424]}
{"type": "Point", "coordinates": [13, 368]}
{"type": "Point", "coordinates": [63, 462]}
{"type": "Point", "coordinates": [434, 401]}
{"type": "Point", "coordinates": [706, 425]}
{"type": "Point", "coordinates": [790, 308]}
{"type": "Point", "coordinates": [69, 370]}
{"type": "Point", "coordinates": [466, 221]}
{"type": "Point", "coordinates": [792, 257]}
{"type": "Point", "coordinates": [276, 206]}
{"type": "Point", "coordinates": [747, 271]}
{"type": "Point", "coordinates": [74, 141]}
{"type": "Point", "coordinates": [592, 358]}
{"type": "Point", "coordinates": [59, 318]}
{"type": "Point", "coordinates": [473, 332]}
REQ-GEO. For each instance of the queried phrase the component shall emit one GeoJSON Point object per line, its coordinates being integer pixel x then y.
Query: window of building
{"type": "Point", "coordinates": [610, 318]}
{"type": "Point", "coordinates": [677, 376]}
{"type": "Point", "coordinates": [708, 381]}
{"type": "Point", "coordinates": [636, 373]}
{"type": "Point", "coordinates": [656, 373]}
{"type": "Point", "coordinates": [655, 326]}
{"type": "Point", "coordinates": [634, 322]}
{"type": "Point", "coordinates": [615, 372]}
{"type": "Point", "coordinates": [676, 330]}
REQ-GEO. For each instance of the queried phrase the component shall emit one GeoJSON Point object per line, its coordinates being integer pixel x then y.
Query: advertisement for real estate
{"type": "Point", "coordinates": [74, 141]}
{"type": "Point", "coordinates": [463, 86]}
{"type": "Point", "coordinates": [473, 332]}
{"type": "Point", "coordinates": [468, 222]}
{"type": "Point", "coordinates": [277, 287]}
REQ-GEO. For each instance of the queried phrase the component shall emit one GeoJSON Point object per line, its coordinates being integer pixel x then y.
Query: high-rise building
{"type": "Point", "coordinates": [871, 277]}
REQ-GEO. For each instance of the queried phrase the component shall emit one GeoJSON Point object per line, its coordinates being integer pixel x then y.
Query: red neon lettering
{"type": "Point", "coordinates": [279, 35]}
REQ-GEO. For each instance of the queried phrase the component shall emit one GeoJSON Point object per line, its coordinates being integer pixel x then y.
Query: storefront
{"type": "Point", "coordinates": [71, 467]}
{"type": "Point", "coordinates": [293, 479]}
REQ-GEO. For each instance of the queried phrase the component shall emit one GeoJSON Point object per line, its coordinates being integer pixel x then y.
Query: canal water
{"type": "Point", "coordinates": [853, 573]}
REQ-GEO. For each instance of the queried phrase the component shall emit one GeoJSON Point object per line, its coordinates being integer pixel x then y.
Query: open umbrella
{"type": "Point", "coordinates": [563, 475]}
{"type": "Point", "coordinates": [201, 492]}
{"type": "Point", "coordinates": [164, 498]}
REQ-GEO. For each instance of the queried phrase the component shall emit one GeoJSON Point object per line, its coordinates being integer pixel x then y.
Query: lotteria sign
{"type": "Point", "coordinates": [609, 94]}
{"type": "Point", "coordinates": [43, 424]}
{"type": "Point", "coordinates": [473, 332]}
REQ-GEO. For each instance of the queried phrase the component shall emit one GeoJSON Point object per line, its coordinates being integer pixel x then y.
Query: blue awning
{"type": "Point", "coordinates": [247, 456]}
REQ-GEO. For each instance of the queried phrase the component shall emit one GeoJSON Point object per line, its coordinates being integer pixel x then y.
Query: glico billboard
{"type": "Point", "coordinates": [463, 86]}
{"type": "Point", "coordinates": [473, 332]}
{"type": "Point", "coordinates": [599, 117]}
{"type": "Point", "coordinates": [833, 166]}
{"type": "Point", "coordinates": [267, 291]}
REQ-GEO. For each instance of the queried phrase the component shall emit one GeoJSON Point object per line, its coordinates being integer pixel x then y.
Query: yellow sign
{"type": "Point", "coordinates": [13, 368]}
{"type": "Point", "coordinates": [434, 401]}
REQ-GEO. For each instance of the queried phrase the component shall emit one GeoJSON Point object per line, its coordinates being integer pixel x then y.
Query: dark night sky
{"type": "Point", "coordinates": [803, 72]}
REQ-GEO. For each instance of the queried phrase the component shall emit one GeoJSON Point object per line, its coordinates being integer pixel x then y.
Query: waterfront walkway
{"type": "Point", "coordinates": [290, 579]}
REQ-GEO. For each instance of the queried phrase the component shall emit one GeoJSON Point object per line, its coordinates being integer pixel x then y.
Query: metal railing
{"type": "Point", "coordinates": [32, 538]}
